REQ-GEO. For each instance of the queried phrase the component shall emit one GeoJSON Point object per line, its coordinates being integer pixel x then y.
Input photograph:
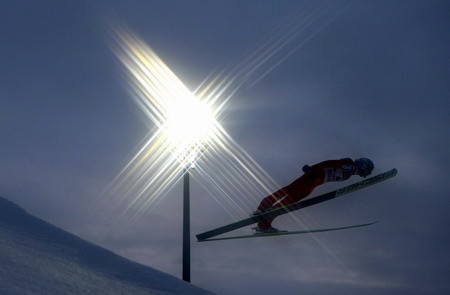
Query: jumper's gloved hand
{"type": "Point", "coordinates": [307, 169]}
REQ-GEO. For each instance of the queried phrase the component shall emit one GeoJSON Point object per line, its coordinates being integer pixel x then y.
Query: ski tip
{"type": "Point", "coordinates": [393, 172]}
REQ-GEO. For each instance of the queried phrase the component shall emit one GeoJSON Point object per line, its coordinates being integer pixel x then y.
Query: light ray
{"type": "Point", "coordinates": [186, 124]}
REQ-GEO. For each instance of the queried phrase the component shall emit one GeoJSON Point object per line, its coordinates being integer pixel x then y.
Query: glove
{"type": "Point", "coordinates": [307, 169]}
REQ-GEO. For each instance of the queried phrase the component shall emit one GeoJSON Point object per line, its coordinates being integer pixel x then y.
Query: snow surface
{"type": "Point", "coordinates": [39, 258]}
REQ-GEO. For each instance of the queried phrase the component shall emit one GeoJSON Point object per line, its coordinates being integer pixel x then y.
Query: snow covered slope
{"type": "Point", "coordinates": [39, 258]}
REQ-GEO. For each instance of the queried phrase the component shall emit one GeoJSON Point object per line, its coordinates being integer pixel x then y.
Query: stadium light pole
{"type": "Point", "coordinates": [186, 228]}
{"type": "Point", "coordinates": [188, 163]}
{"type": "Point", "coordinates": [186, 123]}
{"type": "Point", "coordinates": [189, 127]}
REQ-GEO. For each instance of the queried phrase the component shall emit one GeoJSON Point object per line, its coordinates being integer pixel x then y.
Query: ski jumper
{"type": "Point", "coordinates": [327, 171]}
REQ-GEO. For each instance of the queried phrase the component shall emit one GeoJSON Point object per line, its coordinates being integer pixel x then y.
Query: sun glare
{"type": "Point", "coordinates": [189, 125]}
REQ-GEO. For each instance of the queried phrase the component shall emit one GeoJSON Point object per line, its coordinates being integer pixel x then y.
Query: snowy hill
{"type": "Point", "coordinates": [39, 258]}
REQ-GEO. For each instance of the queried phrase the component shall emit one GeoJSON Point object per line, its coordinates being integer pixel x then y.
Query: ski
{"type": "Point", "coordinates": [299, 205]}
{"type": "Point", "coordinates": [306, 231]}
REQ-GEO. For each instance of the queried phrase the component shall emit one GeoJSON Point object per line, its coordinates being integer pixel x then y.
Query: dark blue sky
{"type": "Point", "coordinates": [367, 78]}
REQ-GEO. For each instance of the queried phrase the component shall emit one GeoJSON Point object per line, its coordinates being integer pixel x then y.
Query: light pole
{"type": "Point", "coordinates": [186, 228]}
{"type": "Point", "coordinates": [186, 123]}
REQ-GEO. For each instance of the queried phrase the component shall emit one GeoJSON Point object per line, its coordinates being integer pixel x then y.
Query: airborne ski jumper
{"type": "Point", "coordinates": [276, 211]}
{"type": "Point", "coordinates": [327, 171]}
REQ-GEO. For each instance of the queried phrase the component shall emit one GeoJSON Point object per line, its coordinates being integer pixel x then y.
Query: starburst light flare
{"type": "Point", "coordinates": [185, 122]}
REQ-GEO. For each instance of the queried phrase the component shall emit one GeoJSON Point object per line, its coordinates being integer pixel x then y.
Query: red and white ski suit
{"type": "Point", "coordinates": [327, 171]}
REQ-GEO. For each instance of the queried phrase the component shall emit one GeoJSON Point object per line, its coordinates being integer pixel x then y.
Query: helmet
{"type": "Point", "coordinates": [364, 165]}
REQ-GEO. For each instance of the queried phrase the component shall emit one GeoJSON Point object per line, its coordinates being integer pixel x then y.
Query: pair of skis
{"type": "Point", "coordinates": [208, 235]}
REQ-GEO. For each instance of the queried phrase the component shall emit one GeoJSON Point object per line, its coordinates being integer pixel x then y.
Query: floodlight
{"type": "Point", "coordinates": [188, 127]}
